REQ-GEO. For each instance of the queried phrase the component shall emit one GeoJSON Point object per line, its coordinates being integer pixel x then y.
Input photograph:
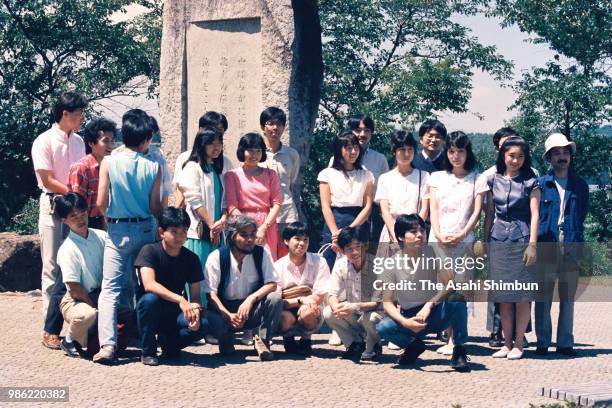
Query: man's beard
{"type": "Point", "coordinates": [244, 250]}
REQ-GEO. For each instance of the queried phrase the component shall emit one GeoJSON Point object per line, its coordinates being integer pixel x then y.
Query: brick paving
{"type": "Point", "coordinates": [203, 378]}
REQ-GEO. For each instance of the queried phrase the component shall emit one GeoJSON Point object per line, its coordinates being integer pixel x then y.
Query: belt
{"type": "Point", "coordinates": [135, 219]}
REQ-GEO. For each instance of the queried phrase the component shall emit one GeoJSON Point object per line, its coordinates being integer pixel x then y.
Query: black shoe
{"type": "Point", "coordinates": [354, 351]}
{"type": "Point", "coordinates": [226, 347]}
{"type": "Point", "coordinates": [525, 343]}
{"type": "Point", "coordinates": [171, 354]}
{"type": "Point", "coordinates": [291, 346]}
{"type": "Point", "coordinates": [459, 360]}
{"type": "Point", "coordinates": [149, 360]}
{"type": "Point", "coordinates": [70, 348]}
{"type": "Point", "coordinates": [442, 336]}
{"type": "Point", "coordinates": [567, 351]}
{"type": "Point", "coordinates": [496, 340]}
{"type": "Point", "coordinates": [305, 347]}
{"type": "Point", "coordinates": [541, 351]}
{"type": "Point", "coordinates": [412, 352]}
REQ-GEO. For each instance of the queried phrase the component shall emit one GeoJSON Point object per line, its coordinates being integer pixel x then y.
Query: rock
{"type": "Point", "coordinates": [20, 262]}
{"type": "Point", "coordinates": [238, 57]}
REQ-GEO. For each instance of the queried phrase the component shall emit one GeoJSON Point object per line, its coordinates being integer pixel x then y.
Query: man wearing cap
{"type": "Point", "coordinates": [563, 208]}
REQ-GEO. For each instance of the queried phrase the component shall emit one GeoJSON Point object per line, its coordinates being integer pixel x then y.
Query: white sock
{"type": "Point", "coordinates": [69, 339]}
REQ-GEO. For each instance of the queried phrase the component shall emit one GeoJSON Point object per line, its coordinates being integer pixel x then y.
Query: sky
{"type": "Point", "coordinates": [489, 98]}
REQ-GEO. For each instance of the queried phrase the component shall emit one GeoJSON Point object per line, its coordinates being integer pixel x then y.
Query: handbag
{"type": "Point", "coordinates": [296, 292]}
{"type": "Point", "coordinates": [202, 230]}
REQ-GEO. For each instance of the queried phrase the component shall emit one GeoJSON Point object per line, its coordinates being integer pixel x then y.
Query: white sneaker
{"type": "Point", "coordinates": [501, 353]}
{"type": "Point", "coordinates": [200, 342]}
{"type": "Point", "coordinates": [393, 346]}
{"type": "Point", "coordinates": [334, 339]}
{"type": "Point", "coordinates": [247, 338]}
{"type": "Point", "coordinates": [515, 354]}
{"type": "Point", "coordinates": [211, 340]}
{"type": "Point", "coordinates": [445, 350]}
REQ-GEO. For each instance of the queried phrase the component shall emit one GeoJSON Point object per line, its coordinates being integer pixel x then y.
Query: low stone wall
{"type": "Point", "coordinates": [20, 264]}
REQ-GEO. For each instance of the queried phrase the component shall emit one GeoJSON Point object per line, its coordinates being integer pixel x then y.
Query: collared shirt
{"type": "Point", "coordinates": [80, 259]}
{"type": "Point", "coordinates": [83, 179]}
{"type": "Point", "coordinates": [242, 282]}
{"type": "Point", "coordinates": [345, 282]}
{"type": "Point", "coordinates": [347, 188]}
{"type": "Point", "coordinates": [154, 153]}
{"type": "Point", "coordinates": [286, 163]}
{"type": "Point", "coordinates": [373, 161]}
{"type": "Point", "coordinates": [422, 162]}
{"type": "Point", "coordinates": [576, 206]}
{"type": "Point", "coordinates": [55, 150]}
{"type": "Point", "coordinates": [314, 274]}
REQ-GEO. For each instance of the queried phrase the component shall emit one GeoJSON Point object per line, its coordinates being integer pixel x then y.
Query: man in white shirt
{"type": "Point", "coordinates": [353, 318]}
{"type": "Point", "coordinates": [53, 152]}
{"type": "Point", "coordinates": [303, 278]}
{"type": "Point", "coordinates": [285, 161]}
{"type": "Point", "coordinates": [240, 284]}
{"type": "Point", "coordinates": [80, 258]}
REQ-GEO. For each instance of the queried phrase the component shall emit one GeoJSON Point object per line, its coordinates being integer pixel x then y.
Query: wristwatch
{"type": "Point", "coordinates": [299, 300]}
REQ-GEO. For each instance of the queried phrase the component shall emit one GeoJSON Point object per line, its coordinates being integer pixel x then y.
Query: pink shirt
{"type": "Point", "coordinates": [313, 273]}
{"type": "Point", "coordinates": [55, 150]}
{"type": "Point", "coordinates": [251, 194]}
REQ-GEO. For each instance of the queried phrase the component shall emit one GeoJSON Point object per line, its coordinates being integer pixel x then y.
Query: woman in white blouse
{"type": "Point", "coordinates": [346, 191]}
{"type": "Point", "coordinates": [402, 190]}
{"type": "Point", "coordinates": [456, 195]}
{"type": "Point", "coordinates": [201, 182]}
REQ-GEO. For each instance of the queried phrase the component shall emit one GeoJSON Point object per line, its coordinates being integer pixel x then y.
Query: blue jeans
{"type": "Point", "coordinates": [124, 241]}
{"type": "Point", "coordinates": [453, 314]}
{"type": "Point", "coordinates": [155, 316]}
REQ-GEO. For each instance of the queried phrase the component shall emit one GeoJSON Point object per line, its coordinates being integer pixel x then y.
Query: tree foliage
{"type": "Point", "coordinates": [48, 47]}
{"type": "Point", "coordinates": [400, 61]}
{"type": "Point", "coordinates": [572, 93]}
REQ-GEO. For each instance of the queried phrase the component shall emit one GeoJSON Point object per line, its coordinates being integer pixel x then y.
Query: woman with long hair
{"type": "Point", "coordinates": [346, 191]}
{"type": "Point", "coordinates": [511, 228]}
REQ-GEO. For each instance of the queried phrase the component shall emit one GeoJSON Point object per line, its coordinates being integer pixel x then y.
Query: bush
{"type": "Point", "coordinates": [25, 222]}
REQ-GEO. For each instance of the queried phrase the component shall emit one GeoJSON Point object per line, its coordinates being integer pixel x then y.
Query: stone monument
{"type": "Point", "coordinates": [238, 57]}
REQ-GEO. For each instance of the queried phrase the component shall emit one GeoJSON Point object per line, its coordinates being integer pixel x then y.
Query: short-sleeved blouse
{"type": "Point", "coordinates": [347, 188]}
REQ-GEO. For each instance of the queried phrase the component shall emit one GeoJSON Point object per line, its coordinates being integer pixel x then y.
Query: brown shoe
{"type": "Point", "coordinates": [262, 349]}
{"type": "Point", "coordinates": [51, 341]}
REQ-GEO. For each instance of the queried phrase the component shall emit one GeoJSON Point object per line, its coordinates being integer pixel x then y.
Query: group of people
{"type": "Point", "coordinates": [232, 254]}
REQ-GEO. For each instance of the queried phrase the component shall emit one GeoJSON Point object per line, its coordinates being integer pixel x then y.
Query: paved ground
{"type": "Point", "coordinates": [202, 378]}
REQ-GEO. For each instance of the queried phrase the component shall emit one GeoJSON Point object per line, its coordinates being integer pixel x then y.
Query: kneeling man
{"type": "Point", "coordinates": [241, 288]}
{"type": "Point", "coordinates": [164, 268]}
{"type": "Point", "coordinates": [302, 281]}
{"type": "Point", "coordinates": [415, 318]}
{"type": "Point", "coordinates": [352, 318]}
{"type": "Point", "coordinates": [80, 260]}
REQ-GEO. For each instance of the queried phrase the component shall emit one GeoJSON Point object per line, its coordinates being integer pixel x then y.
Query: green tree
{"type": "Point", "coordinates": [572, 93]}
{"type": "Point", "coordinates": [50, 46]}
{"type": "Point", "coordinates": [398, 60]}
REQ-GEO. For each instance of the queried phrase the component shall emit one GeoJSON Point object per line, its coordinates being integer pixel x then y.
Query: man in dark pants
{"type": "Point", "coordinates": [165, 267]}
{"type": "Point", "coordinates": [241, 287]}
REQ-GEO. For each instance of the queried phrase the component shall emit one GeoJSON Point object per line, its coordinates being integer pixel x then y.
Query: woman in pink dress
{"type": "Point", "coordinates": [255, 191]}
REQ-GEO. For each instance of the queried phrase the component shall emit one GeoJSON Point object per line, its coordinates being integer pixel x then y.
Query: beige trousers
{"type": "Point", "coordinates": [356, 327]}
{"type": "Point", "coordinates": [79, 316]}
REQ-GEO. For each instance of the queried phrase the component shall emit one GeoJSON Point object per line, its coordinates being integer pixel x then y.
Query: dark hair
{"type": "Point", "coordinates": [213, 119]}
{"type": "Point", "coordinates": [408, 222]}
{"type": "Point", "coordinates": [501, 133]}
{"type": "Point", "coordinates": [203, 138]}
{"type": "Point", "coordinates": [432, 124]}
{"type": "Point", "coordinates": [91, 132]}
{"type": "Point", "coordinates": [401, 138]}
{"type": "Point", "coordinates": [135, 127]}
{"type": "Point", "coordinates": [356, 119]}
{"type": "Point", "coordinates": [512, 141]}
{"type": "Point", "coordinates": [251, 141]}
{"type": "Point", "coordinates": [153, 125]}
{"type": "Point", "coordinates": [461, 141]}
{"type": "Point", "coordinates": [68, 101]}
{"type": "Point", "coordinates": [174, 217]}
{"type": "Point", "coordinates": [296, 229]}
{"type": "Point", "coordinates": [272, 113]}
{"type": "Point", "coordinates": [345, 138]}
{"type": "Point", "coordinates": [70, 201]}
{"type": "Point", "coordinates": [348, 234]}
